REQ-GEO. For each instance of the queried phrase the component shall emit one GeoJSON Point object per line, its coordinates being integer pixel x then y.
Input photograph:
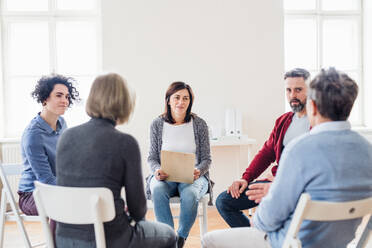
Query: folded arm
{"type": "Point", "coordinates": [39, 161]}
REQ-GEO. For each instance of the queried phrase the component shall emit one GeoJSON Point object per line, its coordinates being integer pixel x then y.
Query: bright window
{"type": "Point", "coordinates": [323, 33]}
{"type": "Point", "coordinates": [40, 37]}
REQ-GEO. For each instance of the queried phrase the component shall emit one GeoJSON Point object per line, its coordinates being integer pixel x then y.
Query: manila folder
{"type": "Point", "coordinates": [178, 165]}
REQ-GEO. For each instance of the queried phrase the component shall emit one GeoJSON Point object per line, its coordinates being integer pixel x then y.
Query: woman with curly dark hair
{"type": "Point", "coordinates": [38, 145]}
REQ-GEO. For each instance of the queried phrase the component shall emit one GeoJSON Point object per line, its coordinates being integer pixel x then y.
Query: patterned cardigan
{"type": "Point", "coordinates": [203, 156]}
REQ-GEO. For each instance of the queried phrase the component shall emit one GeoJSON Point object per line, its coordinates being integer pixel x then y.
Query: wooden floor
{"type": "Point", "coordinates": [12, 238]}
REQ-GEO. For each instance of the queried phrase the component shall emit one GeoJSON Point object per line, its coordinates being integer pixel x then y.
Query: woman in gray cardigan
{"type": "Point", "coordinates": [179, 130]}
{"type": "Point", "coordinates": [96, 154]}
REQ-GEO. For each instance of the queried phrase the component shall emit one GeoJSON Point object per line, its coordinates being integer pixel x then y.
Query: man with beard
{"type": "Point", "coordinates": [246, 193]}
{"type": "Point", "coordinates": [330, 163]}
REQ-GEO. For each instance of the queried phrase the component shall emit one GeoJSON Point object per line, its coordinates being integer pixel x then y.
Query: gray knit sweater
{"type": "Point", "coordinates": [95, 154]}
{"type": "Point", "coordinates": [203, 156]}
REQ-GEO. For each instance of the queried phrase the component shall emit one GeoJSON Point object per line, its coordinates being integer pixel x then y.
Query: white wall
{"type": "Point", "coordinates": [230, 52]}
{"type": "Point", "coordinates": [366, 91]}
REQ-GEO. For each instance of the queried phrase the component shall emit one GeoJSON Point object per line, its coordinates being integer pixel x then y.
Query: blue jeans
{"type": "Point", "coordinates": [231, 209]}
{"type": "Point", "coordinates": [190, 195]}
{"type": "Point", "coordinates": [144, 234]}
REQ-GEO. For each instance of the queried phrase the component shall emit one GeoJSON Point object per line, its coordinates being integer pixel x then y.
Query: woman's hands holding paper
{"type": "Point", "coordinates": [196, 174]}
{"type": "Point", "coordinates": [160, 175]}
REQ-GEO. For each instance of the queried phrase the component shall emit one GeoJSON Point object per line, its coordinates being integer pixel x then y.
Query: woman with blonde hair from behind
{"type": "Point", "coordinates": [96, 154]}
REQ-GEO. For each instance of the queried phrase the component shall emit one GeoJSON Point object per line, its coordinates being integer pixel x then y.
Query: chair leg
{"type": "Point", "coordinates": [203, 219]}
{"type": "Point", "coordinates": [20, 225]}
{"type": "Point", "coordinates": [366, 230]}
{"type": "Point", "coordinates": [2, 217]}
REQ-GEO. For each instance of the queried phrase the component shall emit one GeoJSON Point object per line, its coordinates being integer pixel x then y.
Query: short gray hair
{"type": "Point", "coordinates": [334, 93]}
{"type": "Point", "coordinates": [297, 72]}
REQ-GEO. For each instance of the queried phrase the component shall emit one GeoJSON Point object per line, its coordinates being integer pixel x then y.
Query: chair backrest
{"type": "Point", "coordinates": [75, 205]}
{"type": "Point", "coordinates": [308, 209]}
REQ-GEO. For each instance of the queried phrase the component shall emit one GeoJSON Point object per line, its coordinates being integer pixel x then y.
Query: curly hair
{"type": "Point", "coordinates": [46, 84]}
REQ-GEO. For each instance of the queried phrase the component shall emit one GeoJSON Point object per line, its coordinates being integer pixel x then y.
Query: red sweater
{"type": "Point", "coordinates": [271, 150]}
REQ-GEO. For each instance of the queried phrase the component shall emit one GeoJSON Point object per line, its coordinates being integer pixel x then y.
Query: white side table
{"type": "Point", "coordinates": [235, 141]}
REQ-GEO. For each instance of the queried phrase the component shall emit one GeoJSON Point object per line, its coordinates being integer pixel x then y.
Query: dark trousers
{"type": "Point", "coordinates": [144, 234]}
{"type": "Point", "coordinates": [27, 205]}
{"type": "Point", "coordinates": [231, 209]}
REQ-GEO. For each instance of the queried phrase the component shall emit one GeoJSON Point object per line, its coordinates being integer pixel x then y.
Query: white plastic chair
{"type": "Point", "coordinates": [365, 237]}
{"type": "Point", "coordinates": [202, 212]}
{"type": "Point", "coordinates": [15, 214]}
{"type": "Point", "coordinates": [308, 209]}
{"type": "Point", "coordinates": [74, 205]}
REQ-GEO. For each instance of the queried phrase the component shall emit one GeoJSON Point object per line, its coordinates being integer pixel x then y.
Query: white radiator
{"type": "Point", "coordinates": [11, 153]}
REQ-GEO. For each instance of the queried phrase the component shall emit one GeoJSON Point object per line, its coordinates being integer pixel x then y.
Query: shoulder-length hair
{"type": "Point", "coordinates": [173, 88]}
{"type": "Point", "coordinates": [110, 98]}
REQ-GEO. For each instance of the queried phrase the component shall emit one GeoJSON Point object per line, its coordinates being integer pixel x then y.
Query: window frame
{"type": "Point", "coordinates": [51, 16]}
{"type": "Point", "coordinates": [320, 16]}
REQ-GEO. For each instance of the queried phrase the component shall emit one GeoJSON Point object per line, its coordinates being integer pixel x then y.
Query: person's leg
{"type": "Point", "coordinates": [231, 209]}
{"type": "Point", "coordinates": [53, 227]}
{"type": "Point", "coordinates": [161, 191]}
{"type": "Point", "coordinates": [27, 204]}
{"type": "Point", "coordinates": [244, 237]}
{"type": "Point", "coordinates": [74, 243]}
{"type": "Point", "coordinates": [190, 195]}
{"type": "Point", "coordinates": [154, 235]}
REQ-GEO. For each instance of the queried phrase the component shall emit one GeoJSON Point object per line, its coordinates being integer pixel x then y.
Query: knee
{"type": "Point", "coordinates": [159, 190]}
{"type": "Point", "coordinates": [207, 240]}
{"type": "Point", "coordinates": [189, 196]}
{"type": "Point", "coordinates": [159, 234]}
{"type": "Point", "coordinates": [168, 235]}
{"type": "Point", "coordinates": [28, 207]}
{"type": "Point", "coordinates": [223, 200]}
{"type": "Point", "coordinates": [172, 237]}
